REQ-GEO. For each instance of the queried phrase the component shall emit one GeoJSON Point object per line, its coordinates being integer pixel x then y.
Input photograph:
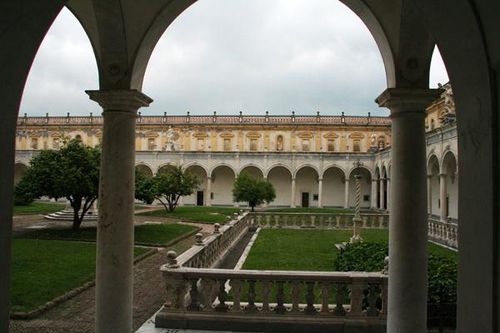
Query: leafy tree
{"type": "Point", "coordinates": [167, 186]}
{"type": "Point", "coordinates": [71, 172]}
{"type": "Point", "coordinates": [144, 187]}
{"type": "Point", "coordinates": [252, 190]}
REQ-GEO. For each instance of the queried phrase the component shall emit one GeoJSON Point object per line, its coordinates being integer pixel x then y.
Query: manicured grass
{"type": "Point", "coordinates": [144, 234]}
{"type": "Point", "coordinates": [38, 208]}
{"type": "Point", "coordinates": [312, 210]}
{"type": "Point", "coordinates": [43, 270]}
{"type": "Point", "coordinates": [310, 250]}
{"type": "Point", "coordinates": [196, 214]}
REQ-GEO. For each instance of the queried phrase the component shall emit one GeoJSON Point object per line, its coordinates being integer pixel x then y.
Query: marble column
{"type": "Point", "coordinates": [388, 203]}
{"type": "Point", "coordinates": [407, 297]}
{"type": "Point", "coordinates": [115, 227]}
{"type": "Point", "coordinates": [208, 200]}
{"type": "Point", "coordinates": [320, 192]}
{"type": "Point", "coordinates": [381, 194]}
{"type": "Point", "coordinates": [374, 194]}
{"type": "Point", "coordinates": [443, 194]}
{"type": "Point", "coordinates": [429, 194]}
{"type": "Point", "coordinates": [292, 202]}
{"type": "Point", "coordinates": [346, 194]}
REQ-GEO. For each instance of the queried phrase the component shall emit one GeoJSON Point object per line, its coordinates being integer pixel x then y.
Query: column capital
{"type": "Point", "coordinates": [414, 100]}
{"type": "Point", "coordinates": [120, 100]}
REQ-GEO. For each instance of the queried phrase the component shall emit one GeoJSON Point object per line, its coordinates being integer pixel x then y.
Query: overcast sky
{"type": "Point", "coordinates": [227, 56]}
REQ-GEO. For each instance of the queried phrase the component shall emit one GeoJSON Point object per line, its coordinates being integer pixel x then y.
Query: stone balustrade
{"type": "Point", "coordinates": [209, 251]}
{"type": "Point", "coordinates": [316, 220]}
{"type": "Point", "coordinates": [295, 301]}
{"type": "Point", "coordinates": [445, 233]}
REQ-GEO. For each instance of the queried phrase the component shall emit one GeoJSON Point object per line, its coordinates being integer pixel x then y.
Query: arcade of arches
{"type": "Point", "coordinates": [124, 34]}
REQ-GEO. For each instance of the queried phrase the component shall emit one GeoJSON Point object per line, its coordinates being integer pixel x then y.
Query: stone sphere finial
{"type": "Point", "coordinates": [216, 228]}
{"type": "Point", "coordinates": [199, 238]}
{"type": "Point", "coordinates": [172, 259]}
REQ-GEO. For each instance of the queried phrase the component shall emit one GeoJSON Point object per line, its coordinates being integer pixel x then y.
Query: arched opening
{"type": "Point", "coordinates": [366, 187]}
{"type": "Point", "coordinates": [333, 187]}
{"type": "Point", "coordinates": [144, 170]}
{"type": "Point", "coordinates": [384, 188]}
{"type": "Point", "coordinates": [201, 194]}
{"type": "Point", "coordinates": [450, 177]}
{"type": "Point", "coordinates": [433, 186]}
{"type": "Point", "coordinates": [222, 185]}
{"type": "Point", "coordinates": [19, 170]}
{"type": "Point", "coordinates": [164, 168]}
{"type": "Point", "coordinates": [306, 187]}
{"type": "Point", "coordinates": [377, 191]}
{"type": "Point", "coordinates": [253, 171]}
{"type": "Point", "coordinates": [281, 178]}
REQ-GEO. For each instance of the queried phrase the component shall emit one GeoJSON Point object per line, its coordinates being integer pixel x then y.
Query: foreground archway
{"type": "Point", "coordinates": [222, 185]}
{"type": "Point", "coordinates": [281, 178]}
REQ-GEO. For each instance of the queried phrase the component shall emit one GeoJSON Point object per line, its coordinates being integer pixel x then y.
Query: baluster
{"type": "Point", "coordinates": [329, 226]}
{"type": "Point", "coordinates": [176, 293]}
{"type": "Point", "coordinates": [236, 287]}
{"type": "Point", "coordinates": [194, 304]}
{"type": "Point", "coordinates": [310, 309]}
{"type": "Point", "coordinates": [295, 295]}
{"type": "Point", "coordinates": [303, 221]}
{"type": "Point", "coordinates": [325, 286]}
{"type": "Point", "coordinates": [313, 221]}
{"type": "Point", "coordinates": [364, 218]}
{"type": "Point", "coordinates": [280, 298]}
{"type": "Point", "coordinates": [356, 299]}
{"type": "Point", "coordinates": [285, 221]}
{"type": "Point", "coordinates": [337, 221]}
{"type": "Point", "coordinates": [222, 306]}
{"type": "Point", "coordinates": [266, 291]}
{"type": "Point", "coordinates": [208, 293]}
{"type": "Point", "coordinates": [372, 297]}
{"type": "Point", "coordinates": [251, 297]}
{"type": "Point", "coordinates": [268, 221]}
{"type": "Point", "coordinates": [383, 296]}
{"type": "Point", "coordinates": [339, 299]}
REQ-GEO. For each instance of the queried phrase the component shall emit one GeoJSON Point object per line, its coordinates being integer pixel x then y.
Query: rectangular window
{"type": "Point", "coordinates": [356, 145]}
{"type": "Point", "coordinates": [200, 144]}
{"type": "Point", "coordinates": [366, 197]}
{"type": "Point", "coordinates": [151, 144]}
{"type": "Point", "coordinates": [227, 144]}
{"type": "Point", "coordinates": [315, 197]}
{"type": "Point", "coordinates": [253, 144]}
{"type": "Point", "coordinates": [34, 143]}
{"type": "Point", "coordinates": [305, 145]}
{"type": "Point", "coordinates": [331, 145]}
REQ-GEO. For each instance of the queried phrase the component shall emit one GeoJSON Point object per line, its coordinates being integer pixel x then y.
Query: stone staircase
{"type": "Point", "coordinates": [67, 215]}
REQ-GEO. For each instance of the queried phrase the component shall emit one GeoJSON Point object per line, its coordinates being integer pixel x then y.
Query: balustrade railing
{"type": "Point", "coordinates": [316, 220]}
{"type": "Point", "coordinates": [228, 299]}
{"type": "Point", "coordinates": [445, 233]}
{"type": "Point", "coordinates": [207, 252]}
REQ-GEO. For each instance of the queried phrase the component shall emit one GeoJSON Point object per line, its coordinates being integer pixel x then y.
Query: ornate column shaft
{"type": "Point", "coordinates": [443, 194]}
{"type": "Point", "coordinates": [292, 202]}
{"type": "Point", "coordinates": [346, 194]}
{"type": "Point", "coordinates": [429, 194]}
{"type": "Point", "coordinates": [407, 301]}
{"type": "Point", "coordinates": [320, 192]}
{"type": "Point", "coordinates": [208, 200]}
{"type": "Point", "coordinates": [115, 228]}
{"type": "Point", "coordinates": [382, 192]}
{"type": "Point", "coordinates": [374, 194]}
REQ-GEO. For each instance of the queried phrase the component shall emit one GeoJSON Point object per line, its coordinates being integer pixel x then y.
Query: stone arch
{"type": "Point", "coordinates": [195, 164]}
{"type": "Point", "coordinates": [253, 170]}
{"type": "Point", "coordinates": [223, 176]}
{"type": "Point", "coordinates": [144, 169]}
{"type": "Point", "coordinates": [278, 165]}
{"type": "Point", "coordinates": [334, 165]}
{"type": "Point", "coordinates": [19, 171]}
{"type": "Point", "coordinates": [307, 186]}
{"type": "Point", "coordinates": [433, 164]}
{"type": "Point", "coordinates": [333, 187]}
{"type": "Point", "coordinates": [307, 165]}
{"type": "Point", "coordinates": [280, 176]}
{"type": "Point", "coordinates": [449, 156]}
{"type": "Point", "coordinates": [163, 167]}
{"type": "Point", "coordinates": [354, 168]}
{"type": "Point", "coordinates": [433, 171]}
{"type": "Point", "coordinates": [202, 193]}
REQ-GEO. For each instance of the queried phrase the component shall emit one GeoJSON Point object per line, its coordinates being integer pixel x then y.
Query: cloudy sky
{"type": "Point", "coordinates": [227, 56]}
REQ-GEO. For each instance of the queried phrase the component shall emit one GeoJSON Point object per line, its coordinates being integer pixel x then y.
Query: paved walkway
{"type": "Point", "coordinates": [77, 315]}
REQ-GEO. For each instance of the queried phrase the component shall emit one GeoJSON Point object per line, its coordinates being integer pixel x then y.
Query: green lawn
{"type": "Point", "coordinates": [43, 270]}
{"type": "Point", "coordinates": [196, 214]}
{"type": "Point", "coordinates": [38, 208]}
{"type": "Point", "coordinates": [144, 234]}
{"type": "Point", "coordinates": [311, 210]}
{"type": "Point", "coordinates": [309, 250]}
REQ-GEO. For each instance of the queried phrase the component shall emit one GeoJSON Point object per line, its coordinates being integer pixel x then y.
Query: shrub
{"type": "Point", "coordinates": [361, 257]}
